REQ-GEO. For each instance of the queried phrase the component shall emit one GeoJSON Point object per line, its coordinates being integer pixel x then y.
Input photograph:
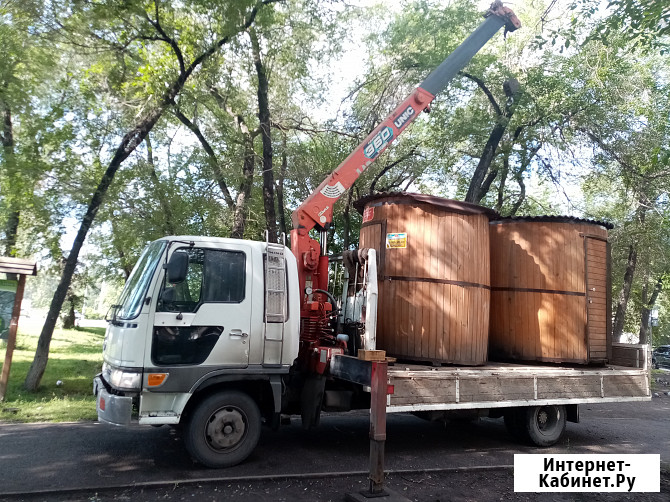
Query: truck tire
{"type": "Point", "coordinates": [223, 430]}
{"type": "Point", "coordinates": [543, 425]}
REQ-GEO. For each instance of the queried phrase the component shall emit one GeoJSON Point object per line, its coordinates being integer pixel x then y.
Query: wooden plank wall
{"type": "Point", "coordinates": [434, 294]}
{"type": "Point", "coordinates": [538, 299]}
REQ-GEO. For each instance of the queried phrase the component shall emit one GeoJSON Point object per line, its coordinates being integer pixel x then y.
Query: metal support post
{"type": "Point", "coordinates": [379, 389]}
{"type": "Point", "coordinates": [378, 392]}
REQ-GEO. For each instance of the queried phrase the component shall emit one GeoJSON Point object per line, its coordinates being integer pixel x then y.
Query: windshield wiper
{"type": "Point", "coordinates": [114, 309]}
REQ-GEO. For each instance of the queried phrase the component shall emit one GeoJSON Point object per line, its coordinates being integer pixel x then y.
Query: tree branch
{"type": "Point", "coordinates": [213, 161]}
{"type": "Point", "coordinates": [390, 166]}
{"type": "Point", "coordinates": [311, 130]}
{"type": "Point", "coordinates": [221, 42]}
{"type": "Point", "coordinates": [239, 120]}
{"type": "Point", "coordinates": [165, 38]}
{"type": "Point", "coordinates": [607, 149]}
{"type": "Point", "coordinates": [480, 83]}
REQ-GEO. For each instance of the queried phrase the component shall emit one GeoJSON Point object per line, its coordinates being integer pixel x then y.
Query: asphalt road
{"type": "Point", "coordinates": [43, 458]}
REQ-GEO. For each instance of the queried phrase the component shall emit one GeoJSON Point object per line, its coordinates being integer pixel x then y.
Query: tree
{"type": "Point", "coordinates": [156, 25]}
{"type": "Point", "coordinates": [266, 138]}
{"type": "Point", "coordinates": [646, 24]}
{"type": "Point", "coordinates": [630, 185]}
{"type": "Point", "coordinates": [25, 68]}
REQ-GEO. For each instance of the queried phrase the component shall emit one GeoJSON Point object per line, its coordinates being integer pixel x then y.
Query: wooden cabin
{"type": "Point", "coordinates": [433, 276]}
{"type": "Point", "coordinates": [550, 290]}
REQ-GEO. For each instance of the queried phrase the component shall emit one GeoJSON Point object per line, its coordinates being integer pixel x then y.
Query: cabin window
{"type": "Point", "coordinates": [214, 276]}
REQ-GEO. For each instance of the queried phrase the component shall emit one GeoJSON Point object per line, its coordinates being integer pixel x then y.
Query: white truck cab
{"type": "Point", "coordinates": [197, 311]}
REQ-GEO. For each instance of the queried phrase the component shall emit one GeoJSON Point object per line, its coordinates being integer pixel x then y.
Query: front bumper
{"type": "Point", "coordinates": [112, 409]}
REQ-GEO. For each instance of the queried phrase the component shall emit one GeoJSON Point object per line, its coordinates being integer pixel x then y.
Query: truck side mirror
{"type": "Point", "coordinates": [177, 268]}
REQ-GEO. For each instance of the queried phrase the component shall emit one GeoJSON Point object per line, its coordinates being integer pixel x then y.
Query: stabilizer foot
{"type": "Point", "coordinates": [385, 495]}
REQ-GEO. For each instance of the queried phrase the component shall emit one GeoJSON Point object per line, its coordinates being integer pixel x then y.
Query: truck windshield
{"type": "Point", "coordinates": [135, 290]}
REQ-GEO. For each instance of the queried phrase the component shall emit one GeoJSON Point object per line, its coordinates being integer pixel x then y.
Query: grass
{"type": "Point", "coordinates": [75, 357]}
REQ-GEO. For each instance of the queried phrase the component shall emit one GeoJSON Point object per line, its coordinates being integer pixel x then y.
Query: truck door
{"type": "Point", "coordinates": [206, 318]}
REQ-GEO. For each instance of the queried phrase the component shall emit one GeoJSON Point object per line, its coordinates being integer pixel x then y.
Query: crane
{"type": "Point", "coordinates": [316, 212]}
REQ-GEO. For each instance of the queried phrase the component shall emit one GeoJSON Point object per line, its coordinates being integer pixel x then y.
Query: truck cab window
{"type": "Point", "coordinates": [225, 276]}
{"type": "Point", "coordinates": [185, 296]}
{"type": "Point", "coordinates": [134, 292]}
{"type": "Point", "coordinates": [213, 276]}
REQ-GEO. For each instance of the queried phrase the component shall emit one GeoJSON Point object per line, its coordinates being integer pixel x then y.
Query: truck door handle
{"type": "Point", "coordinates": [238, 332]}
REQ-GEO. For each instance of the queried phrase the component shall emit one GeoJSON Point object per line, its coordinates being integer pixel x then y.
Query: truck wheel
{"type": "Point", "coordinates": [223, 430]}
{"type": "Point", "coordinates": [544, 425]}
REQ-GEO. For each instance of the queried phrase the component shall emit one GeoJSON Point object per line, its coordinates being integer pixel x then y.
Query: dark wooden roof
{"type": "Point", "coordinates": [553, 219]}
{"type": "Point", "coordinates": [17, 266]}
{"type": "Point", "coordinates": [455, 206]}
{"type": "Point", "coordinates": [377, 199]}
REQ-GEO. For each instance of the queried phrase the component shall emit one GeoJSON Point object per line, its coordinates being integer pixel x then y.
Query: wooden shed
{"type": "Point", "coordinates": [433, 276]}
{"type": "Point", "coordinates": [11, 295]}
{"type": "Point", "coordinates": [550, 290]}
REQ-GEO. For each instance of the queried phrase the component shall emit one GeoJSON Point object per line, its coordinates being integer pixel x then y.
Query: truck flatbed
{"type": "Point", "coordinates": [496, 385]}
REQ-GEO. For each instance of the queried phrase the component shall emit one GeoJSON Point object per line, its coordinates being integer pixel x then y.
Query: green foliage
{"type": "Point", "coordinates": [646, 24]}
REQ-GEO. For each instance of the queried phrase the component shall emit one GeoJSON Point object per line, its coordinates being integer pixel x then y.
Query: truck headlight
{"type": "Point", "coordinates": [123, 380]}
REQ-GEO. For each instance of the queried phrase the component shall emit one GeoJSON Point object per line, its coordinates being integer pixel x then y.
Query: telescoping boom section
{"type": "Point", "coordinates": [316, 212]}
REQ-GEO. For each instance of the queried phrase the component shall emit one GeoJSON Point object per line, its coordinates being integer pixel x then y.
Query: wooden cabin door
{"type": "Point", "coordinates": [598, 318]}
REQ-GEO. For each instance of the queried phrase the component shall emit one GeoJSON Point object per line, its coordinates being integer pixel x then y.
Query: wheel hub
{"type": "Point", "coordinates": [225, 429]}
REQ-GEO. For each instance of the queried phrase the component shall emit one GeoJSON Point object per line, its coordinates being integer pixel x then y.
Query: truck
{"type": "Point", "coordinates": [219, 337]}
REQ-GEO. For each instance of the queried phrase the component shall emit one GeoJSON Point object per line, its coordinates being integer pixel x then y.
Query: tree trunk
{"type": "Point", "coordinates": [624, 294]}
{"type": "Point", "coordinates": [244, 194]}
{"type": "Point", "coordinates": [480, 183]}
{"type": "Point", "coordinates": [128, 144]}
{"type": "Point", "coordinates": [476, 191]}
{"type": "Point", "coordinates": [280, 189]}
{"type": "Point", "coordinates": [12, 224]}
{"type": "Point", "coordinates": [126, 267]}
{"type": "Point", "coordinates": [11, 230]}
{"type": "Point", "coordinates": [647, 307]}
{"type": "Point", "coordinates": [69, 318]}
{"type": "Point", "coordinates": [522, 193]}
{"type": "Point", "coordinates": [169, 225]}
{"type": "Point", "coordinates": [248, 164]}
{"type": "Point", "coordinates": [266, 137]}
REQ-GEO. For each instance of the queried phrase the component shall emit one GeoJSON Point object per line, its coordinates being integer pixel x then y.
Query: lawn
{"type": "Point", "coordinates": [75, 357]}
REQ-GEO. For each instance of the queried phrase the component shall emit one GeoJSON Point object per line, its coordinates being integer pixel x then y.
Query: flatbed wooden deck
{"type": "Point", "coordinates": [497, 385]}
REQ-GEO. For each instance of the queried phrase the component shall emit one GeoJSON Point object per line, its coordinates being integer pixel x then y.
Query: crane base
{"type": "Point", "coordinates": [385, 495]}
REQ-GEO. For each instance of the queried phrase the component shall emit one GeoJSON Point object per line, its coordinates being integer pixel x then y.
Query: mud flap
{"type": "Point", "coordinates": [572, 413]}
{"type": "Point", "coordinates": [311, 399]}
